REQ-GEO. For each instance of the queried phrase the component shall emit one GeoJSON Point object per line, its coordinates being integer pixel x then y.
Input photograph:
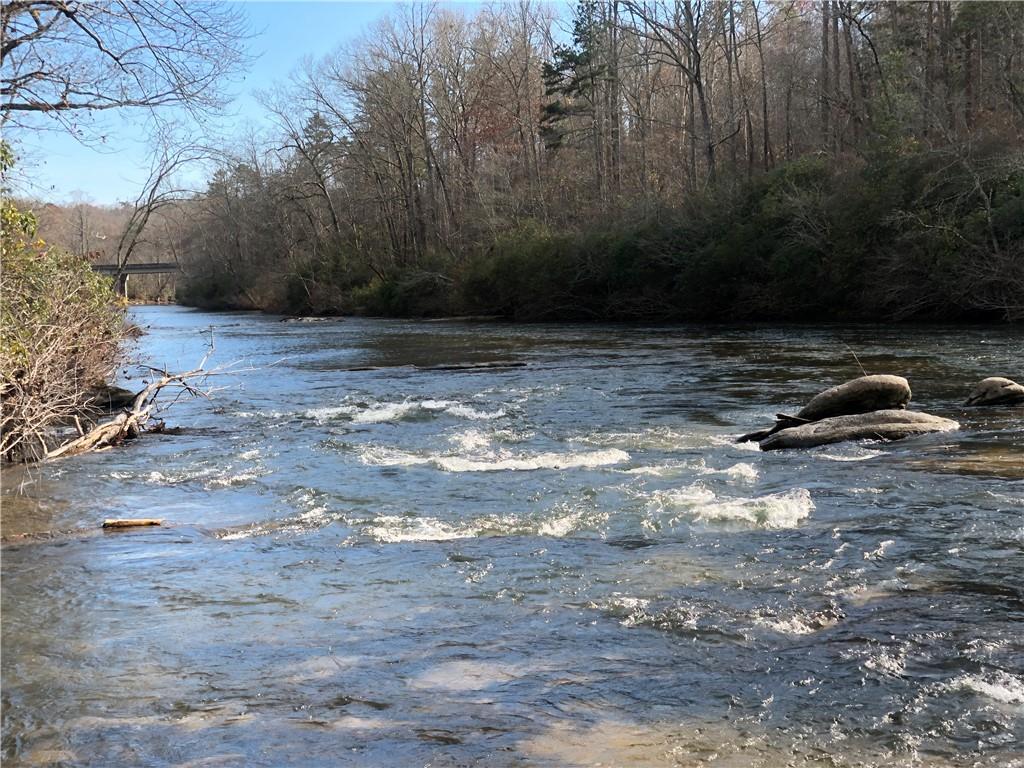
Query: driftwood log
{"type": "Point", "coordinates": [891, 424]}
{"type": "Point", "coordinates": [133, 522]}
{"type": "Point", "coordinates": [996, 390]}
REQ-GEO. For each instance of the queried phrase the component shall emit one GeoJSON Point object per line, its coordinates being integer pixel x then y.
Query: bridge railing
{"type": "Point", "coordinates": [154, 268]}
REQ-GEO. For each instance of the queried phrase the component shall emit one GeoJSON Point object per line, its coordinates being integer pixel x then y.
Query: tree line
{"type": "Point", "coordinates": [700, 159]}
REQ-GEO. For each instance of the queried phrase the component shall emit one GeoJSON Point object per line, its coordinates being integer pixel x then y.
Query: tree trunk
{"type": "Point", "coordinates": [853, 67]}
{"type": "Point", "coordinates": [728, 43]}
{"type": "Point", "coordinates": [970, 63]}
{"type": "Point", "coordinates": [700, 88]}
{"type": "Point", "coordinates": [823, 79]}
{"type": "Point", "coordinates": [837, 128]}
{"type": "Point", "coordinates": [929, 68]}
{"type": "Point", "coordinates": [947, 65]}
{"type": "Point", "coordinates": [766, 148]}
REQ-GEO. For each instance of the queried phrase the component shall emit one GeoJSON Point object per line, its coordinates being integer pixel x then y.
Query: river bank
{"type": "Point", "coordinates": [378, 555]}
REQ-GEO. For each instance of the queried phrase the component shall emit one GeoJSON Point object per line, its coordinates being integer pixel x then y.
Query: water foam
{"type": "Point", "coordinates": [239, 478]}
{"type": "Point", "coordinates": [389, 457]}
{"type": "Point", "coordinates": [743, 472]}
{"type": "Point", "coordinates": [558, 522]}
{"type": "Point", "coordinates": [1000, 686]}
{"type": "Point", "coordinates": [173, 478]}
{"type": "Point", "coordinates": [889, 663]}
{"type": "Point", "coordinates": [470, 440]}
{"type": "Point", "coordinates": [730, 441]}
{"type": "Point", "coordinates": [879, 552]}
{"type": "Point", "coordinates": [394, 529]}
{"type": "Point", "coordinates": [660, 470]}
{"type": "Point", "coordinates": [652, 438]}
{"type": "Point", "coordinates": [630, 611]}
{"type": "Point", "coordinates": [690, 496]}
{"type": "Point", "coordinates": [385, 412]}
{"type": "Point", "coordinates": [855, 453]}
{"type": "Point", "coordinates": [777, 510]}
{"type": "Point", "coordinates": [390, 412]}
{"type": "Point", "coordinates": [383, 456]}
{"type": "Point", "coordinates": [794, 625]}
{"type": "Point", "coordinates": [564, 524]}
{"type": "Point", "coordinates": [582, 460]}
{"type": "Point", "coordinates": [467, 412]}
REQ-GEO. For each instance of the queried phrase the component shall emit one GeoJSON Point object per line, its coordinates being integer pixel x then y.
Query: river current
{"type": "Point", "coordinates": [406, 544]}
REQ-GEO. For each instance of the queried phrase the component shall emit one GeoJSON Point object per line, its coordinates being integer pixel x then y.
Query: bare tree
{"type": "Point", "coordinates": [67, 57]}
{"type": "Point", "coordinates": [678, 29]}
{"type": "Point", "coordinates": [163, 188]}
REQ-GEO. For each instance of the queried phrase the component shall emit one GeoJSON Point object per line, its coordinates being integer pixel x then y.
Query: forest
{"type": "Point", "coordinates": [638, 161]}
{"type": "Point", "coordinates": [703, 161]}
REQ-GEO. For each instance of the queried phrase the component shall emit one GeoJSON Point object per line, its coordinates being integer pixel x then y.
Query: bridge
{"type": "Point", "coordinates": [156, 268]}
{"type": "Point", "coordinates": [123, 272]}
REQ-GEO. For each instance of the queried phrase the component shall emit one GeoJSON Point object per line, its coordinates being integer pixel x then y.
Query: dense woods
{"type": "Point", "coordinates": [649, 160]}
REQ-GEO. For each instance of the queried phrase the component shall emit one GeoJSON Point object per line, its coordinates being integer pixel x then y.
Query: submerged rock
{"type": "Point", "coordinates": [996, 390]}
{"type": "Point", "coordinates": [889, 424]}
{"type": "Point", "coordinates": [111, 398]}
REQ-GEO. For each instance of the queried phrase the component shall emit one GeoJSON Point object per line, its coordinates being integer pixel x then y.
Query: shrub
{"type": "Point", "coordinates": [61, 328]}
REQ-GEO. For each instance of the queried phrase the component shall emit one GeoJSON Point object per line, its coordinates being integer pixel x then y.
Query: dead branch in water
{"type": "Point", "coordinates": [133, 421]}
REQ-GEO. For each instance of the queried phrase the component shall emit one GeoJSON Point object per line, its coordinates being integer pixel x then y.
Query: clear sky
{"type": "Point", "coordinates": [114, 170]}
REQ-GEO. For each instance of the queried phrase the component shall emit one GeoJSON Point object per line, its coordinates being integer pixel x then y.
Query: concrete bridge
{"type": "Point", "coordinates": [122, 273]}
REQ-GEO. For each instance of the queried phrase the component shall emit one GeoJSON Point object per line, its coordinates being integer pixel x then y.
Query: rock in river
{"type": "Point", "coordinates": [889, 424]}
{"type": "Point", "coordinates": [862, 395]}
{"type": "Point", "coordinates": [996, 390]}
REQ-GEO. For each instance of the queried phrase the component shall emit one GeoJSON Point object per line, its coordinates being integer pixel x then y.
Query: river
{"type": "Point", "coordinates": [560, 561]}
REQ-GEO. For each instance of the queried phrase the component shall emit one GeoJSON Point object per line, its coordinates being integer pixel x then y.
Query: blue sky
{"type": "Point", "coordinates": [114, 169]}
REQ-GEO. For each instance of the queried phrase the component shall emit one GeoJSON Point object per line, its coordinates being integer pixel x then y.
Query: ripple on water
{"type": "Point", "coordinates": [581, 545]}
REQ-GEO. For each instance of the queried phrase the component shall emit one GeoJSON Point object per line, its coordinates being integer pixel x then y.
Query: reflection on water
{"type": "Point", "coordinates": [567, 562]}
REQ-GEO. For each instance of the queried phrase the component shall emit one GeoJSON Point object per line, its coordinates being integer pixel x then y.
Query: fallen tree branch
{"type": "Point", "coordinates": [135, 419]}
{"type": "Point", "coordinates": [131, 422]}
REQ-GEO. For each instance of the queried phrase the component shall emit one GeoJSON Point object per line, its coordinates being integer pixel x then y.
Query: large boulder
{"type": "Point", "coordinates": [996, 390]}
{"type": "Point", "coordinates": [890, 424]}
{"type": "Point", "coordinates": [862, 395]}
{"type": "Point", "coordinates": [868, 393]}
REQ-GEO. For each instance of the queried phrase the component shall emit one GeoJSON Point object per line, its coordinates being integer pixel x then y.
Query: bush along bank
{"type": "Point", "coordinates": [61, 335]}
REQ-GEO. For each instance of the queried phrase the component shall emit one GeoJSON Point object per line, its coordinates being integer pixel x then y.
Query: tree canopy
{"type": "Point", "coordinates": [64, 58]}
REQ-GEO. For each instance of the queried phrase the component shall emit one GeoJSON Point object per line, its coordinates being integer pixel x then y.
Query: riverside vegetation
{"type": "Point", "coordinates": [673, 161]}
{"type": "Point", "coordinates": [61, 333]}
{"type": "Point", "coordinates": [62, 62]}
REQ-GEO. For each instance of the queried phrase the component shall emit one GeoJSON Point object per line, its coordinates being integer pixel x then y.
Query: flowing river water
{"type": "Point", "coordinates": [565, 561]}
